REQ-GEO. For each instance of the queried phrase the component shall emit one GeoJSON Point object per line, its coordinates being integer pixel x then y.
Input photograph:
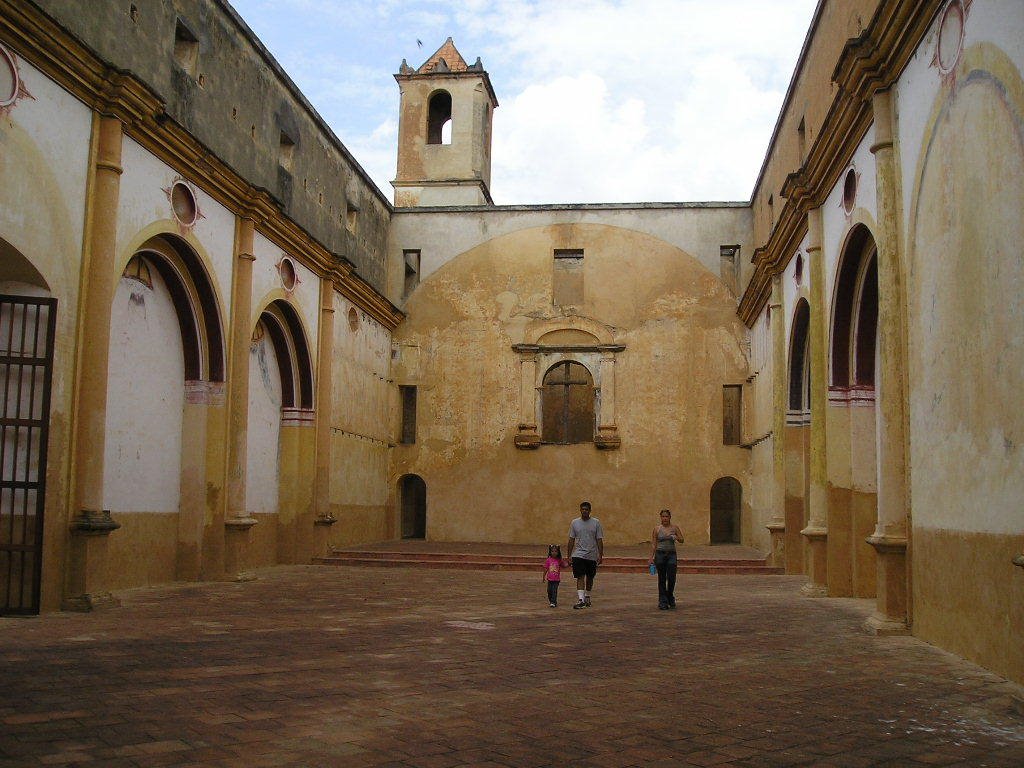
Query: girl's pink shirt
{"type": "Point", "coordinates": [553, 569]}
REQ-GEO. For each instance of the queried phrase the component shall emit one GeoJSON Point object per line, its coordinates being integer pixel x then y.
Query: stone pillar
{"type": "Point", "coordinates": [607, 431]}
{"type": "Point", "coordinates": [239, 521]}
{"type": "Point", "coordinates": [816, 531]}
{"type": "Point", "coordinates": [86, 585]}
{"type": "Point", "coordinates": [777, 524]}
{"type": "Point", "coordinates": [323, 519]}
{"type": "Point", "coordinates": [890, 536]}
{"type": "Point", "coordinates": [527, 435]}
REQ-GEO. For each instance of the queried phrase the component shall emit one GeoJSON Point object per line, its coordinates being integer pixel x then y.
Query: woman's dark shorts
{"type": "Point", "coordinates": [582, 567]}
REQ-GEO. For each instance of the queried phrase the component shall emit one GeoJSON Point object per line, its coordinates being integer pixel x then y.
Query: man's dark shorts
{"type": "Point", "coordinates": [582, 567]}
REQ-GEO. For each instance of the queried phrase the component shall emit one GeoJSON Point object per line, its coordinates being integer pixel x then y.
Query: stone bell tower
{"type": "Point", "coordinates": [444, 132]}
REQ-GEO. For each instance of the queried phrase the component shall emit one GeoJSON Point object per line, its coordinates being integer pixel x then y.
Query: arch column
{"type": "Point", "coordinates": [816, 531]}
{"type": "Point", "coordinates": [527, 437]}
{"type": "Point", "coordinates": [607, 430]}
{"type": "Point", "coordinates": [891, 532]}
{"type": "Point", "coordinates": [777, 524]}
{"type": "Point", "coordinates": [86, 584]}
{"type": "Point", "coordinates": [238, 521]}
{"type": "Point", "coordinates": [323, 518]}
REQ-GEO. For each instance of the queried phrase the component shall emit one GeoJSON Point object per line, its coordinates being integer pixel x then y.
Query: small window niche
{"type": "Point", "coordinates": [408, 433]}
{"type": "Point", "coordinates": [186, 49]}
{"type": "Point", "coordinates": [351, 217]}
{"type": "Point", "coordinates": [567, 277]}
{"type": "Point", "coordinates": [286, 152]}
{"type": "Point", "coordinates": [439, 118]}
{"type": "Point", "coordinates": [412, 272]}
{"type": "Point", "coordinates": [728, 262]}
{"type": "Point", "coordinates": [732, 414]}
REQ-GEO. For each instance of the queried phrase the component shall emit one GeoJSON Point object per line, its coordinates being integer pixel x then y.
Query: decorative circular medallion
{"type": "Point", "coordinates": [183, 203]}
{"type": "Point", "coordinates": [951, 36]}
{"type": "Point", "coordinates": [353, 319]}
{"type": "Point", "coordinates": [850, 191]}
{"type": "Point", "coordinates": [10, 83]}
{"type": "Point", "coordinates": [286, 268]}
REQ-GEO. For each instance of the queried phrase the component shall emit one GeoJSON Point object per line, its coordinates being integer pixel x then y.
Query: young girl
{"type": "Point", "coordinates": [553, 573]}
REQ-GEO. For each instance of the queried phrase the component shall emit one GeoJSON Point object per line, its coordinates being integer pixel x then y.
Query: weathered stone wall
{"type": "Point", "coordinates": [682, 344]}
{"type": "Point", "coordinates": [238, 102]}
{"type": "Point", "coordinates": [962, 150]}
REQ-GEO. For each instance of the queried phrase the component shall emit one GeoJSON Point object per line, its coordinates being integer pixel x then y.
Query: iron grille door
{"type": "Point", "coordinates": [27, 326]}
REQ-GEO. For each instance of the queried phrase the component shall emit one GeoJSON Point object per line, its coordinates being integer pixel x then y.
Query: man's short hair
{"type": "Point", "coordinates": [584, 505]}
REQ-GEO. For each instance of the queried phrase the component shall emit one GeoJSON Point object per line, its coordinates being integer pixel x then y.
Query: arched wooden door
{"type": "Point", "coordinates": [414, 507]}
{"type": "Point", "coordinates": [726, 498]}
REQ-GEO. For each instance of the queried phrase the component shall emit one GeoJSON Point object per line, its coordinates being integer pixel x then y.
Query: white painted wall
{"type": "Point", "coordinates": [267, 285]}
{"type": "Point", "coordinates": [263, 455]}
{"type": "Point", "coordinates": [144, 201]}
{"type": "Point", "coordinates": [837, 223]}
{"type": "Point", "coordinates": [698, 229]}
{"type": "Point", "coordinates": [145, 398]}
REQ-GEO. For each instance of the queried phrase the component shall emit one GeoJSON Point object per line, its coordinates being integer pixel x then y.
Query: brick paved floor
{"type": "Point", "coordinates": [329, 666]}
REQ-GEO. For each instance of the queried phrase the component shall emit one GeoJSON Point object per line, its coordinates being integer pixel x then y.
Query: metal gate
{"type": "Point", "coordinates": [27, 326]}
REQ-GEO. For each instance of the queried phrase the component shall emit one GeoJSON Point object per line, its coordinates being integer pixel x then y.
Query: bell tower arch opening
{"type": "Point", "coordinates": [444, 132]}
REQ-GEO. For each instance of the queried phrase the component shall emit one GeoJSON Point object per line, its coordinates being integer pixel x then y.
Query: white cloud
{"type": "Point", "coordinates": [601, 100]}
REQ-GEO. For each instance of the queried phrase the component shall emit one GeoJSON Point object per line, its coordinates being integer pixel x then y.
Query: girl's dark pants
{"type": "Point", "coordinates": [665, 562]}
{"type": "Point", "coordinates": [553, 591]}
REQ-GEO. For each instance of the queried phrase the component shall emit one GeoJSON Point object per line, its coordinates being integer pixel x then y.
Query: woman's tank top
{"type": "Point", "coordinates": [665, 541]}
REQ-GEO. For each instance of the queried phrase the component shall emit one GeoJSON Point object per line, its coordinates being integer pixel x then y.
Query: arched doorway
{"type": "Point", "coordinates": [277, 481]}
{"type": "Point", "coordinates": [797, 438]}
{"type": "Point", "coordinates": [165, 371]}
{"type": "Point", "coordinates": [726, 500]}
{"type": "Point", "coordinates": [568, 404]}
{"type": "Point", "coordinates": [853, 501]}
{"type": "Point", "coordinates": [27, 328]}
{"type": "Point", "coordinates": [413, 493]}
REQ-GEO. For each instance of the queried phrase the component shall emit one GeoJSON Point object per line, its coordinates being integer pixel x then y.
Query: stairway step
{"type": "Point", "coordinates": [533, 562]}
{"type": "Point", "coordinates": [492, 563]}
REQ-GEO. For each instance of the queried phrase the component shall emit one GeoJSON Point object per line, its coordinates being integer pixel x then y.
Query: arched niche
{"type": "Point", "coordinates": [412, 492]}
{"type": "Point", "coordinates": [567, 341]}
{"type": "Point", "coordinates": [799, 411]}
{"type": "Point", "coordinates": [195, 303]}
{"type": "Point", "coordinates": [855, 318]}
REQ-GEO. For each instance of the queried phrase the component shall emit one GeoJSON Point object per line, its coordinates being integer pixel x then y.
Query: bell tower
{"type": "Point", "coordinates": [444, 132]}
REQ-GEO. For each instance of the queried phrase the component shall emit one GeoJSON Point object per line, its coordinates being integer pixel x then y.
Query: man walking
{"type": "Point", "coordinates": [585, 551]}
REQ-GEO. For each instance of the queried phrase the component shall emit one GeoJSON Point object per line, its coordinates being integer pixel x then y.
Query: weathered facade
{"type": "Point", "coordinates": [221, 347]}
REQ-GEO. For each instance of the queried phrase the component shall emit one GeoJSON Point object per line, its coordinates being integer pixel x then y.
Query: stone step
{"type": "Point", "coordinates": [477, 562]}
{"type": "Point", "coordinates": [529, 560]}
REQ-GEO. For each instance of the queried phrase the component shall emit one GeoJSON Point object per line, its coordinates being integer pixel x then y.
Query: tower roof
{"type": "Point", "coordinates": [445, 59]}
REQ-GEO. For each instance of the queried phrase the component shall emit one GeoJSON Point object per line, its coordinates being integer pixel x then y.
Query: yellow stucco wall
{"type": "Point", "coordinates": [682, 343]}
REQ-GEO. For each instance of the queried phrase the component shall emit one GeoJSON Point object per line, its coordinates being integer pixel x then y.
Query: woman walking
{"type": "Point", "coordinates": [663, 557]}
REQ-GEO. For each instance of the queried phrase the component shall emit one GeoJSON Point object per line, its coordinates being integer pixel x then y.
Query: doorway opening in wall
{"type": "Point", "coordinates": [413, 492]}
{"type": "Point", "coordinates": [726, 498]}
{"type": "Point", "coordinates": [568, 404]}
{"type": "Point", "coordinates": [27, 328]}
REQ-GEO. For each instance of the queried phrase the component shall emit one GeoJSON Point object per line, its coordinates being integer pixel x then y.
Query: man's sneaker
{"type": "Point", "coordinates": [579, 605]}
{"type": "Point", "coordinates": [552, 605]}
{"type": "Point", "coordinates": [586, 602]}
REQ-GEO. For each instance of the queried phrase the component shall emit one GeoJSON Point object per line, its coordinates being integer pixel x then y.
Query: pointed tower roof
{"type": "Point", "coordinates": [447, 62]}
{"type": "Point", "coordinates": [445, 59]}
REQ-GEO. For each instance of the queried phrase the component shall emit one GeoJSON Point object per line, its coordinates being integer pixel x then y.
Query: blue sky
{"type": "Point", "coordinates": [600, 100]}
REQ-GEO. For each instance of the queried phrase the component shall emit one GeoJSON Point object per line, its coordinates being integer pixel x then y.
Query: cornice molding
{"type": "Point", "coordinates": [55, 52]}
{"type": "Point", "coordinates": [869, 62]}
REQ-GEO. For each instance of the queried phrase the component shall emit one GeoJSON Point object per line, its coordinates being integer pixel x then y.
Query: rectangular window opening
{"type": "Point", "coordinates": [412, 271]}
{"type": "Point", "coordinates": [567, 277]}
{"type": "Point", "coordinates": [186, 49]}
{"type": "Point", "coordinates": [732, 414]}
{"type": "Point", "coordinates": [351, 217]}
{"type": "Point", "coordinates": [408, 394]}
{"type": "Point", "coordinates": [286, 152]}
